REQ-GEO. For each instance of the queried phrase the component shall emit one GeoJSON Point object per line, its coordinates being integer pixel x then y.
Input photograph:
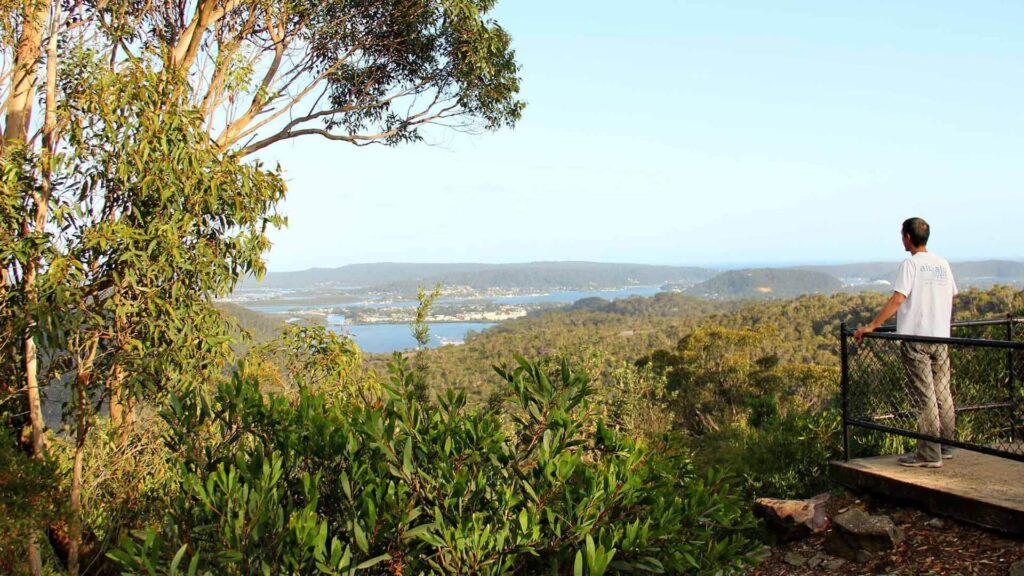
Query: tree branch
{"type": "Point", "coordinates": [357, 139]}
{"type": "Point", "coordinates": [234, 132]}
{"type": "Point", "coordinates": [232, 47]}
{"type": "Point", "coordinates": [184, 52]}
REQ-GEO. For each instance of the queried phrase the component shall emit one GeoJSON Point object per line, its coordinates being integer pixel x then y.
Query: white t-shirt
{"type": "Point", "coordinates": [927, 282]}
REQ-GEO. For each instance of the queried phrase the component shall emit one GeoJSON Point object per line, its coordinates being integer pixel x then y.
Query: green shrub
{"type": "Point", "coordinates": [786, 458]}
{"type": "Point", "coordinates": [29, 502]}
{"type": "Point", "coordinates": [126, 480]}
{"type": "Point", "coordinates": [396, 486]}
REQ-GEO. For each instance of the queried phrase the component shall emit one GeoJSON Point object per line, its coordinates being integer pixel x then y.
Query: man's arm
{"type": "Point", "coordinates": [888, 310]}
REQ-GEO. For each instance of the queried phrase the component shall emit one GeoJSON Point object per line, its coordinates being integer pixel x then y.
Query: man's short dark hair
{"type": "Point", "coordinates": [918, 230]}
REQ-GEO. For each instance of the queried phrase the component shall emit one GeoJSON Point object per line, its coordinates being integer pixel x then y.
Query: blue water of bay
{"type": "Point", "coordinates": [387, 338]}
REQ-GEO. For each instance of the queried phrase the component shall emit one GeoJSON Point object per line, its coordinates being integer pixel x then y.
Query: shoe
{"type": "Point", "coordinates": [947, 455]}
{"type": "Point", "coordinates": [912, 461]}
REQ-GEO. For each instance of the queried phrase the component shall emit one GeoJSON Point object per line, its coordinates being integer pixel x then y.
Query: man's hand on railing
{"type": "Point", "coordinates": [887, 311]}
{"type": "Point", "coordinates": [862, 331]}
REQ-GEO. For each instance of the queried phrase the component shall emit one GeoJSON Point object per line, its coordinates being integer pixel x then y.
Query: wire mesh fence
{"type": "Point", "coordinates": [965, 391]}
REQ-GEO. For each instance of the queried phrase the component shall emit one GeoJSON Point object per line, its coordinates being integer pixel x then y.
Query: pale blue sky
{"type": "Point", "coordinates": [700, 133]}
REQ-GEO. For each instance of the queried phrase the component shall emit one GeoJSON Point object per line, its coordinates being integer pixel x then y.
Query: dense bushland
{"type": "Point", "coordinates": [305, 458]}
{"type": "Point", "coordinates": [805, 329]}
{"type": "Point", "coordinates": [382, 483]}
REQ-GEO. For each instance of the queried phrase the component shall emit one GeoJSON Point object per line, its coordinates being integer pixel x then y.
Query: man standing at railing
{"type": "Point", "coordinates": [923, 295]}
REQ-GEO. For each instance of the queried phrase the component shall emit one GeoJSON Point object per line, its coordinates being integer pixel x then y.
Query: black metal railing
{"type": "Point", "coordinates": [986, 375]}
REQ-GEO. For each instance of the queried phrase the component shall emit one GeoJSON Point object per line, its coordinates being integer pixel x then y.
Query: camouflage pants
{"type": "Point", "coordinates": [927, 367]}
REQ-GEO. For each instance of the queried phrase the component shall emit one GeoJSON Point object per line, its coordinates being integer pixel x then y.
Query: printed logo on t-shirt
{"type": "Point", "coordinates": [933, 274]}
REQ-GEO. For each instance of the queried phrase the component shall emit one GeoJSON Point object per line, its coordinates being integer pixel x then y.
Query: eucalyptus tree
{"type": "Point", "coordinates": [128, 204]}
{"type": "Point", "coordinates": [263, 71]}
{"type": "Point", "coordinates": [150, 221]}
{"type": "Point", "coordinates": [359, 71]}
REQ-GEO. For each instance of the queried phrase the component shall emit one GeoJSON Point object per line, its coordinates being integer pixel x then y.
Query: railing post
{"type": "Point", "coordinates": [844, 383]}
{"type": "Point", "coordinates": [1011, 379]}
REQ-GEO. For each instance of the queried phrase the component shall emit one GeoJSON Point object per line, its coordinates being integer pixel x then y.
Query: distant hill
{"type": "Point", "coordinates": [261, 327]}
{"type": "Point", "coordinates": [533, 275]}
{"type": "Point", "coordinates": [981, 273]}
{"type": "Point", "coordinates": [661, 305]}
{"type": "Point", "coordinates": [750, 283]}
{"type": "Point", "coordinates": [763, 283]}
{"type": "Point", "coordinates": [564, 275]}
{"type": "Point", "coordinates": [863, 270]}
{"type": "Point", "coordinates": [996, 269]}
{"type": "Point", "coordinates": [987, 273]}
{"type": "Point", "coordinates": [357, 275]}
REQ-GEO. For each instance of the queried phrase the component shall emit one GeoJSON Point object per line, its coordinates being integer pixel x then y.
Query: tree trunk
{"type": "Point", "coordinates": [23, 76]}
{"type": "Point", "coordinates": [35, 413]}
{"type": "Point", "coordinates": [35, 559]}
{"type": "Point", "coordinates": [76, 495]}
{"type": "Point", "coordinates": [16, 125]}
{"type": "Point", "coordinates": [121, 415]}
{"type": "Point", "coordinates": [116, 407]}
{"type": "Point", "coordinates": [76, 503]}
{"type": "Point", "coordinates": [19, 113]}
{"type": "Point", "coordinates": [85, 369]}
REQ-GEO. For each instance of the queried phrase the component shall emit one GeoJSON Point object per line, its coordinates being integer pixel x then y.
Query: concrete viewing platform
{"type": "Point", "coordinates": [973, 487]}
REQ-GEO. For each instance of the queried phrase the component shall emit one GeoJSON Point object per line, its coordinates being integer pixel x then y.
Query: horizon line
{"type": "Point", "coordinates": [725, 266]}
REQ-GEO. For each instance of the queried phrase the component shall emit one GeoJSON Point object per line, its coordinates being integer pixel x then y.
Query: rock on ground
{"type": "Point", "coordinates": [856, 531]}
{"type": "Point", "coordinates": [793, 519]}
{"type": "Point", "coordinates": [795, 559]}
